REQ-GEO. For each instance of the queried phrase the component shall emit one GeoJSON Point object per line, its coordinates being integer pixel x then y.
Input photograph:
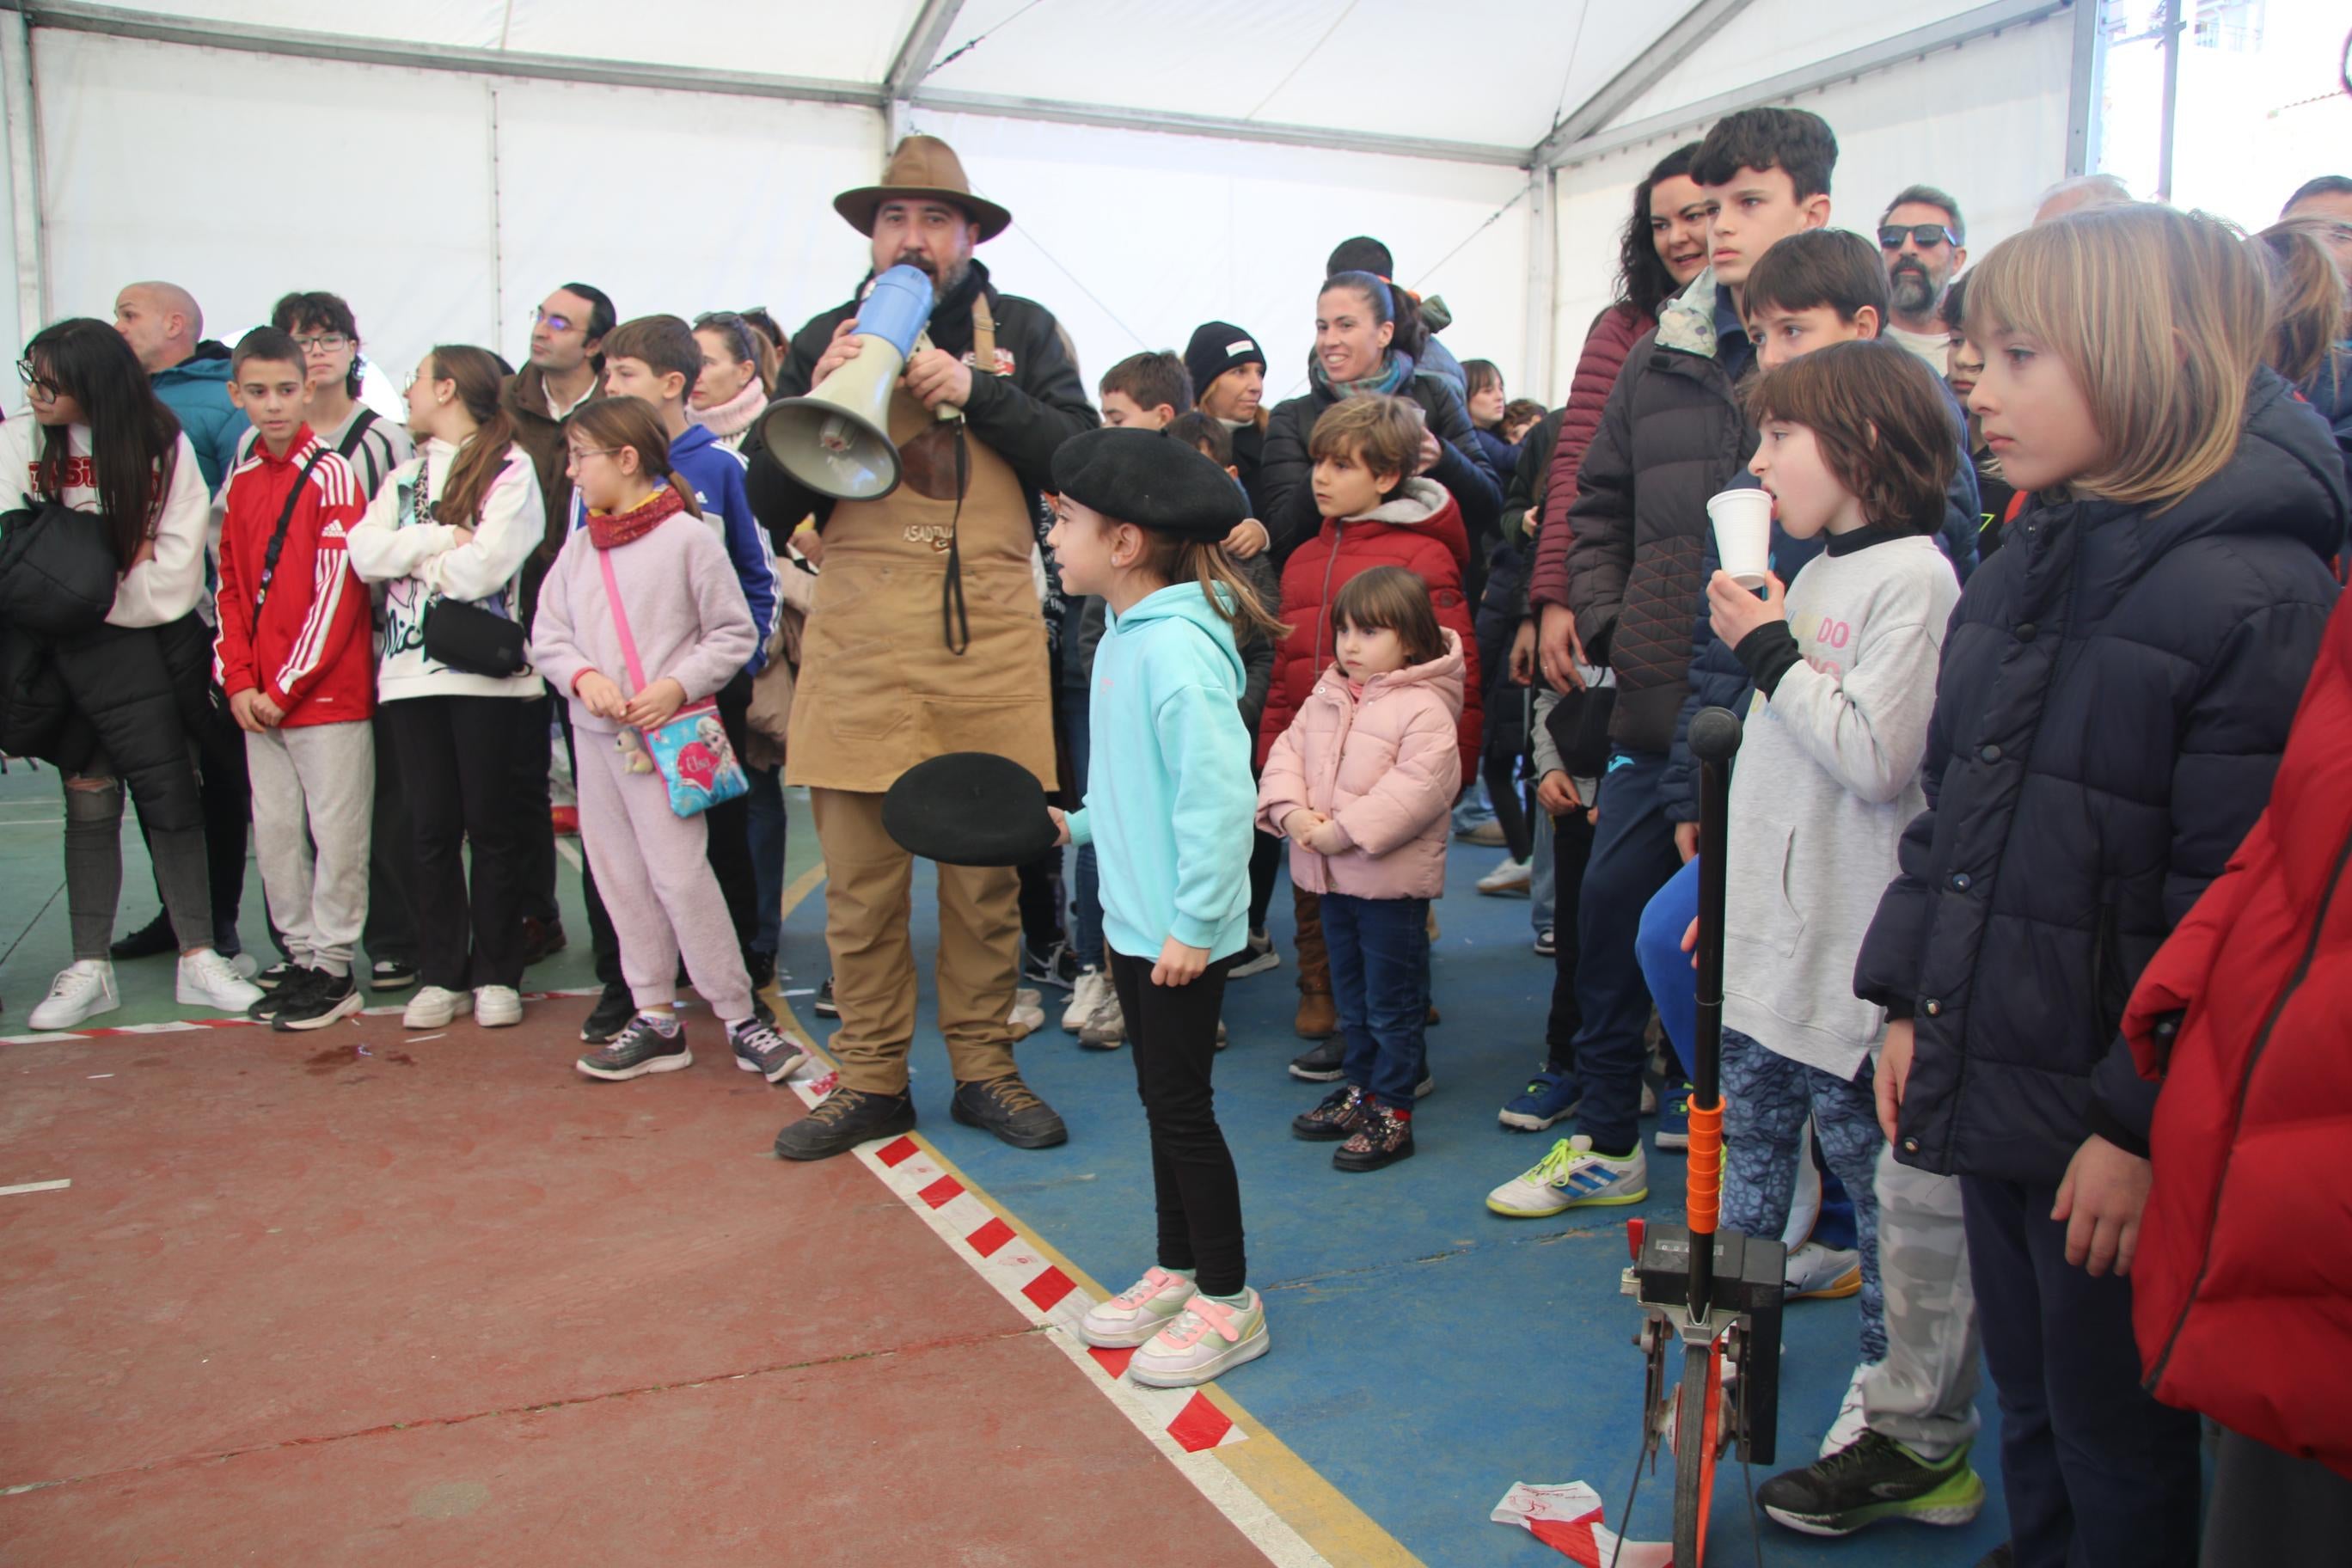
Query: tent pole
{"type": "Point", "coordinates": [2082, 90]}
{"type": "Point", "coordinates": [24, 173]}
{"type": "Point", "coordinates": [2171, 100]}
{"type": "Point", "coordinates": [1543, 282]}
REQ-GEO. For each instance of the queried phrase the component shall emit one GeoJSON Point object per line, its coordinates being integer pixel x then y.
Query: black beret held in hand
{"type": "Point", "coordinates": [969, 808]}
{"type": "Point", "coordinates": [1151, 479]}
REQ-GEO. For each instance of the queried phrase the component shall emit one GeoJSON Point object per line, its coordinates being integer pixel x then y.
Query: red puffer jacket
{"type": "Point", "coordinates": [1615, 332]}
{"type": "Point", "coordinates": [1420, 530]}
{"type": "Point", "coordinates": [2242, 1292]}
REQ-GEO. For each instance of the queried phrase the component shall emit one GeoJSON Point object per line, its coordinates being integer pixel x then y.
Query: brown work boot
{"type": "Point", "coordinates": [1318, 1018]}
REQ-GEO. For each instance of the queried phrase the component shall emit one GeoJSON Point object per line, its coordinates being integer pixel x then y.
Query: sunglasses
{"type": "Point", "coordinates": [1925, 234]}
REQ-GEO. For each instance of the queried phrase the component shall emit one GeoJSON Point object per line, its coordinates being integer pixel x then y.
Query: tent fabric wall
{"type": "Point", "coordinates": [1986, 122]}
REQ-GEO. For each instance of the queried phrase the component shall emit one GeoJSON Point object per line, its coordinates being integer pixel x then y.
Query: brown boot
{"type": "Point", "coordinates": [1318, 1018]}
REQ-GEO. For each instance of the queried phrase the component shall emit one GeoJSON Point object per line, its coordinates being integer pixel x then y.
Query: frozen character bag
{"type": "Point", "coordinates": [690, 751]}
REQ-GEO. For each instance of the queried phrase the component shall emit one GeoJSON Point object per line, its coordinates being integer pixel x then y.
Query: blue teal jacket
{"type": "Point", "coordinates": [1169, 794]}
{"type": "Point", "coordinates": [196, 390]}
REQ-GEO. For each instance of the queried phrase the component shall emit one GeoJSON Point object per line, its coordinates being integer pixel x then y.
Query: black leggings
{"type": "Point", "coordinates": [1171, 1033]}
{"type": "Point", "coordinates": [457, 758]}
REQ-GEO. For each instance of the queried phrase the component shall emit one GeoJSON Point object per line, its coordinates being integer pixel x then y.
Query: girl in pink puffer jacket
{"type": "Point", "coordinates": [1360, 784]}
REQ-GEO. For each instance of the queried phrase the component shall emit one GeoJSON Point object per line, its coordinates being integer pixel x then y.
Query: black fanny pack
{"type": "Point", "coordinates": [1578, 723]}
{"type": "Point", "coordinates": [468, 637]}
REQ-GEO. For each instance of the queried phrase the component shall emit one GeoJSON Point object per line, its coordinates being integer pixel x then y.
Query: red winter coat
{"type": "Point", "coordinates": [2241, 1291]}
{"type": "Point", "coordinates": [1420, 530]}
{"type": "Point", "coordinates": [310, 652]}
{"type": "Point", "coordinates": [1615, 332]}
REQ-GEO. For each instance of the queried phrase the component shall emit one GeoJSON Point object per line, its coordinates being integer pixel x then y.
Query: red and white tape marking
{"type": "Point", "coordinates": [1184, 1424]}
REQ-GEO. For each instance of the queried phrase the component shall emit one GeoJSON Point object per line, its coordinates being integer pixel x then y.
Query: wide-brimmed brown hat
{"type": "Point", "coordinates": [923, 168]}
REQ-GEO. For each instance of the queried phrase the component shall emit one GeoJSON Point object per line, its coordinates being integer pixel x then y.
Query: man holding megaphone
{"type": "Point", "coordinates": [915, 424]}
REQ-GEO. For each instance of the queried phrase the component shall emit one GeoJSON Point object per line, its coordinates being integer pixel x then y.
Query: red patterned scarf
{"type": "Point", "coordinates": [608, 529]}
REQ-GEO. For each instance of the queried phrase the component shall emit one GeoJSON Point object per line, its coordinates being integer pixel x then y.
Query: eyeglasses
{"type": "Point", "coordinates": [39, 387]}
{"type": "Point", "coordinates": [539, 318]}
{"type": "Point", "coordinates": [322, 343]}
{"type": "Point", "coordinates": [1927, 235]}
{"type": "Point", "coordinates": [574, 454]}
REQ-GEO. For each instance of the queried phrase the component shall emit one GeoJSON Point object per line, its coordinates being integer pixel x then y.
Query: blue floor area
{"type": "Point", "coordinates": [1428, 1353]}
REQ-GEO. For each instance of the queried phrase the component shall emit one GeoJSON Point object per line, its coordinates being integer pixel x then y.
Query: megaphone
{"type": "Point", "coordinates": [836, 440]}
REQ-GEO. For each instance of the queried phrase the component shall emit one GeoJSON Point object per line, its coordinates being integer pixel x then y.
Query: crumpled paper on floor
{"type": "Point", "coordinates": [1566, 1518]}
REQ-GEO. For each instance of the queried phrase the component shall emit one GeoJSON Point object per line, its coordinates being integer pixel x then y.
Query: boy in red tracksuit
{"type": "Point", "coordinates": [294, 655]}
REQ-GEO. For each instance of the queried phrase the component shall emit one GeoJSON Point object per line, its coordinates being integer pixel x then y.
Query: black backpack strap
{"type": "Point", "coordinates": [277, 535]}
{"type": "Point", "coordinates": [360, 422]}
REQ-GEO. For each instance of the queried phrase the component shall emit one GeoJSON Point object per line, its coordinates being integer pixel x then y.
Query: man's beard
{"type": "Point", "coordinates": [1912, 290]}
{"type": "Point", "coordinates": [941, 286]}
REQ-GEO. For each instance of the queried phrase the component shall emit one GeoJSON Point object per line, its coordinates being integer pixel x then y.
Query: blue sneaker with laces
{"type": "Point", "coordinates": [1550, 1096]}
{"type": "Point", "coordinates": [1674, 1117]}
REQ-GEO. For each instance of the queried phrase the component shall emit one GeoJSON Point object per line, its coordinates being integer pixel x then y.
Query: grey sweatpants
{"type": "Point", "coordinates": [1924, 1395]}
{"type": "Point", "coordinates": [313, 811]}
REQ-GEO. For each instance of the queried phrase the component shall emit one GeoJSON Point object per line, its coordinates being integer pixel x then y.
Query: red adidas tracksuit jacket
{"type": "Point", "coordinates": [309, 651]}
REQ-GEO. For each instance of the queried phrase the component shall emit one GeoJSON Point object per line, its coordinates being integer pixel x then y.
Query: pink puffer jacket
{"type": "Point", "coordinates": [1384, 766]}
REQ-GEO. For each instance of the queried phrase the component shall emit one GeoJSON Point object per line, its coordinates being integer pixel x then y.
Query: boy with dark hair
{"type": "Point", "coordinates": [1672, 434]}
{"type": "Point", "coordinates": [294, 657]}
{"type": "Point", "coordinates": [1148, 390]}
{"type": "Point", "coordinates": [657, 360]}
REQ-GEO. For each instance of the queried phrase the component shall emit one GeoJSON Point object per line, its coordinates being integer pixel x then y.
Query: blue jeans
{"type": "Point", "coordinates": [1086, 896]}
{"type": "Point", "coordinates": [1765, 1098]}
{"type": "Point", "coordinates": [763, 825]}
{"type": "Point", "coordinates": [1633, 856]}
{"type": "Point", "coordinates": [1380, 986]}
{"type": "Point", "coordinates": [1473, 807]}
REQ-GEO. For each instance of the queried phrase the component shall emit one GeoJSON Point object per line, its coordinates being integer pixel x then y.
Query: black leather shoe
{"type": "Point", "coordinates": [155, 937]}
{"type": "Point", "coordinates": [841, 1120]}
{"type": "Point", "coordinates": [1010, 1108]}
{"type": "Point", "coordinates": [542, 940]}
{"type": "Point", "coordinates": [611, 1015]}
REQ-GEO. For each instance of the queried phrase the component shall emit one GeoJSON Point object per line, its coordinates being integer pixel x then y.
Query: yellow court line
{"type": "Point", "coordinates": [1323, 1515]}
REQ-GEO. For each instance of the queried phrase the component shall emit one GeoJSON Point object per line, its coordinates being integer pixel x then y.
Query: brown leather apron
{"type": "Point", "coordinates": [880, 687]}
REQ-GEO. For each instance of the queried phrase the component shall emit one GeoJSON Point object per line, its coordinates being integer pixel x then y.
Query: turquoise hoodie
{"type": "Point", "coordinates": [1169, 796]}
{"type": "Point", "coordinates": [196, 389]}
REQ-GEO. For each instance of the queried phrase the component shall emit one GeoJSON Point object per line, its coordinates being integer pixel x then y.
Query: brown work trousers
{"type": "Point", "coordinates": [867, 906]}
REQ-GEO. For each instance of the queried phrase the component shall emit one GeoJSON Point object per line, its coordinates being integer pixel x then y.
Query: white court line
{"type": "Point", "coordinates": [35, 1187]}
{"type": "Point", "coordinates": [30, 821]}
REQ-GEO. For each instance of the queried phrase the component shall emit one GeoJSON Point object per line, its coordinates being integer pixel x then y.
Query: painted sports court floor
{"type": "Point", "coordinates": [358, 1296]}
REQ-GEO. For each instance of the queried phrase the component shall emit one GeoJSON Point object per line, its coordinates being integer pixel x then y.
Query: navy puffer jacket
{"type": "Point", "coordinates": [2114, 693]}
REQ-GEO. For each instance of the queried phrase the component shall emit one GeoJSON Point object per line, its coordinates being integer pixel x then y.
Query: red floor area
{"type": "Point", "coordinates": [453, 1304]}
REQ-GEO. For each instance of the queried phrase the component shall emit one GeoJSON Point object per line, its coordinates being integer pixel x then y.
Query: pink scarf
{"type": "Point", "coordinates": [729, 419]}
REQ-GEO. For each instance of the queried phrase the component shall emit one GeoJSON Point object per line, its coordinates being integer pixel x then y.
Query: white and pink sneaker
{"type": "Point", "coordinates": [1138, 1313]}
{"type": "Point", "coordinates": [1208, 1339]}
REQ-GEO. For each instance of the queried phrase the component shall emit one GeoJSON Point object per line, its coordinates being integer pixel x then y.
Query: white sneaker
{"type": "Point", "coordinates": [1207, 1338]}
{"type": "Point", "coordinates": [433, 1007]}
{"type": "Point", "coordinates": [1819, 1273]}
{"type": "Point", "coordinates": [208, 980]}
{"type": "Point", "coordinates": [1257, 958]}
{"type": "Point", "coordinates": [246, 965]}
{"type": "Point", "coordinates": [1509, 876]}
{"type": "Point", "coordinates": [1850, 1423]}
{"type": "Point", "coordinates": [1138, 1313]}
{"type": "Point", "coordinates": [1085, 997]}
{"type": "Point", "coordinates": [82, 989]}
{"type": "Point", "coordinates": [1105, 1030]}
{"type": "Point", "coordinates": [1028, 1014]}
{"type": "Point", "coordinates": [1572, 1176]}
{"type": "Point", "coordinates": [496, 1006]}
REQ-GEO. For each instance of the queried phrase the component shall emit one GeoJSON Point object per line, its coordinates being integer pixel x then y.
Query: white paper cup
{"type": "Point", "coordinates": [1743, 534]}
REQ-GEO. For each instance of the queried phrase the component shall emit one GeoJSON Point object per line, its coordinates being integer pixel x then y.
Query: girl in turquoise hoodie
{"type": "Point", "coordinates": [1169, 801]}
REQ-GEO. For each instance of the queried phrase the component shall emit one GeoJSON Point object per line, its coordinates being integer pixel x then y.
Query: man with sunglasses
{"type": "Point", "coordinates": [566, 370]}
{"type": "Point", "coordinates": [1923, 239]}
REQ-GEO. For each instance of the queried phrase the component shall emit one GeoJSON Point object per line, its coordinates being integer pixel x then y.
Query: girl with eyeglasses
{"type": "Point", "coordinates": [116, 704]}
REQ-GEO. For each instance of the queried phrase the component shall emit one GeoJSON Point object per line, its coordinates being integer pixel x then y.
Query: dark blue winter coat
{"type": "Point", "coordinates": [2115, 692]}
{"type": "Point", "coordinates": [1718, 678]}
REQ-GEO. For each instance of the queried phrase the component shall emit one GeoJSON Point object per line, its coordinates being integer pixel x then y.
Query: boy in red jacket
{"type": "Point", "coordinates": [293, 654]}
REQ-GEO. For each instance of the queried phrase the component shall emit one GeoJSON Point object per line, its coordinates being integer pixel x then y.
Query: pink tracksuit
{"type": "Point", "coordinates": [687, 612]}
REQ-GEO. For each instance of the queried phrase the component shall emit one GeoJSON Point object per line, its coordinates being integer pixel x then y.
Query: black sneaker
{"type": "Point", "coordinates": [1341, 1112]}
{"type": "Point", "coordinates": [1010, 1108]}
{"type": "Point", "coordinates": [1871, 1479]}
{"type": "Point", "coordinates": [319, 1000]}
{"type": "Point", "coordinates": [761, 967]}
{"type": "Point", "coordinates": [286, 992]}
{"type": "Point", "coordinates": [841, 1120]}
{"type": "Point", "coordinates": [641, 1047]}
{"type": "Point", "coordinates": [277, 975]}
{"type": "Point", "coordinates": [823, 1004]}
{"type": "Point", "coordinates": [1320, 1062]}
{"type": "Point", "coordinates": [1382, 1139]}
{"type": "Point", "coordinates": [1057, 968]}
{"type": "Point", "coordinates": [611, 1015]}
{"type": "Point", "coordinates": [155, 937]}
{"type": "Point", "coordinates": [391, 974]}
{"type": "Point", "coordinates": [760, 1050]}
